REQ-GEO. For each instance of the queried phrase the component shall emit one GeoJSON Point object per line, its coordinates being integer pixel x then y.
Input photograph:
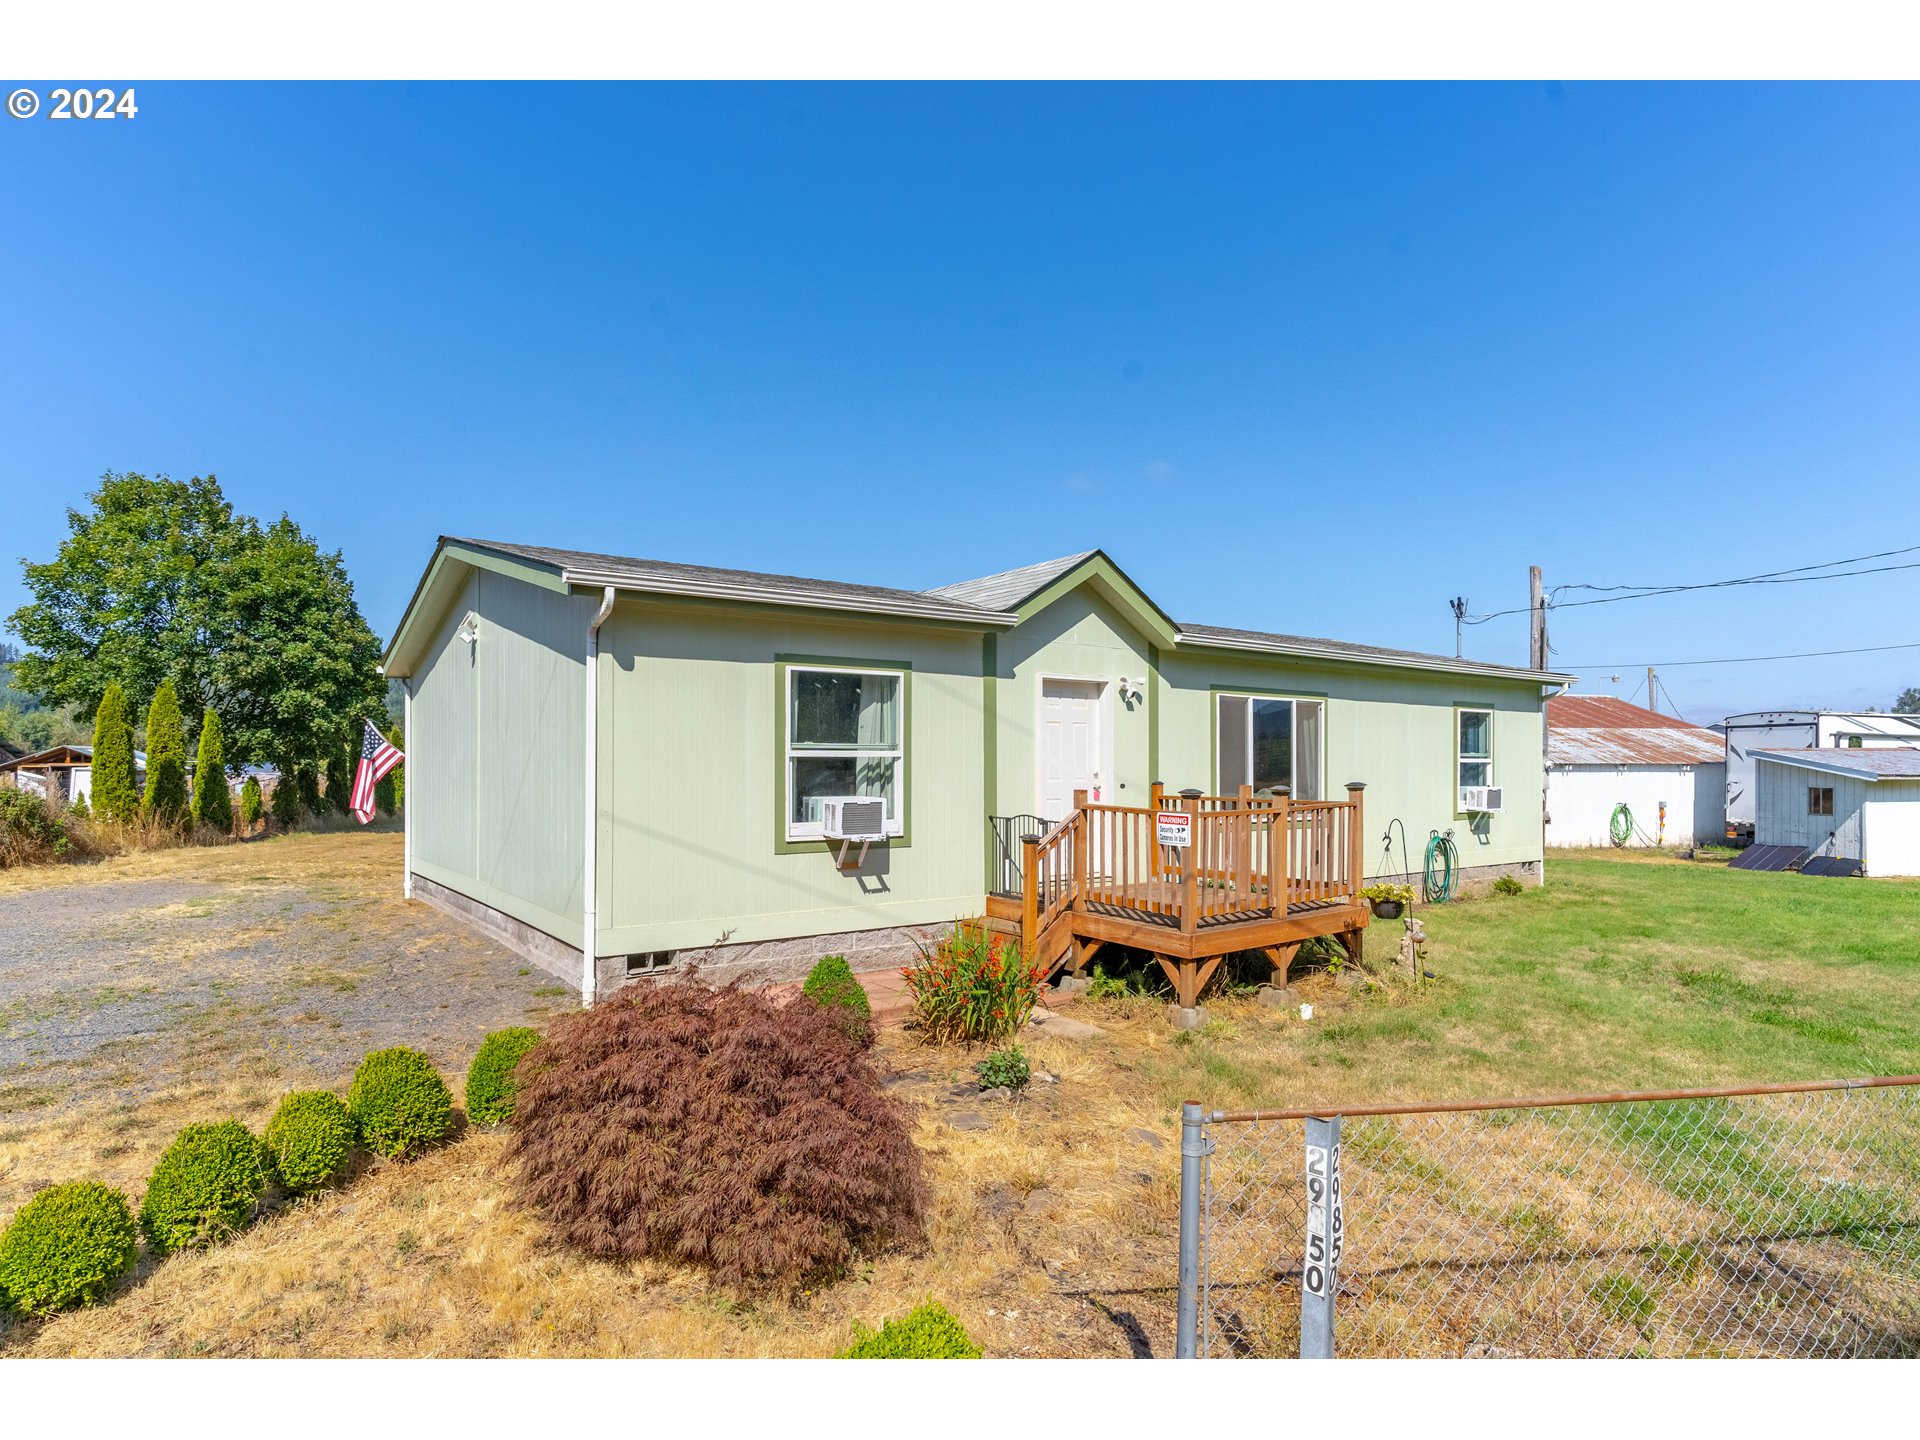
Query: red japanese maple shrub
{"type": "Point", "coordinates": [716, 1128]}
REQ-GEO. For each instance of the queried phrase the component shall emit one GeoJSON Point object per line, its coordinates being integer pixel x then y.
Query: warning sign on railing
{"type": "Point", "coordinates": [1173, 828]}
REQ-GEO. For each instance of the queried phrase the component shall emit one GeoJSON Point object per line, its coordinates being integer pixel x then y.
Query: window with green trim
{"type": "Point", "coordinates": [1268, 743]}
{"type": "Point", "coordinates": [1476, 747]}
{"type": "Point", "coordinates": [845, 737]}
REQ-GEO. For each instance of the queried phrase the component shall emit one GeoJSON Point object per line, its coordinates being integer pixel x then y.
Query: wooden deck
{"type": "Point", "coordinates": [1260, 873]}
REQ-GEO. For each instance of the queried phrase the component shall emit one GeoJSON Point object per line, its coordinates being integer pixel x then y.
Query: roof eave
{"type": "Point", "coordinates": [1321, 652]}
{"type": "Point", "coordinates": [765, 595]}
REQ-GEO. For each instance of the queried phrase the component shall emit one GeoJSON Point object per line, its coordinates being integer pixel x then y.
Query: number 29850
{"type": "Point", "coordinates": [105, 104]}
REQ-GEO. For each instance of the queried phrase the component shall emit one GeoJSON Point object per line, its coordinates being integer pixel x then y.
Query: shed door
{"type": "Point", "coordinates": [1069, 743]}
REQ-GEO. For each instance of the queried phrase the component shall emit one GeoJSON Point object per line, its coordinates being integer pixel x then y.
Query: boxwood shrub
{"type": "Point", "coordinates": [490, 1079]}
{"type": "Point", "coordinates": [309, 1140]}
{"type": "Point", "coordinates": [205, 1187]}
{"type": "Point", "coordinates": [929, 1332]}
{"type": "Point", "coordinates": [831, 984]}
{"type": "Point", "coordinates": [399, 1103]}
{"type": "Point", "coordinates": [65, 1247]}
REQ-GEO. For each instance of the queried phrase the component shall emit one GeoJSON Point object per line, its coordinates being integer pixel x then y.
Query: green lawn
{"type": "Point", "coordinates": [1620, 973]}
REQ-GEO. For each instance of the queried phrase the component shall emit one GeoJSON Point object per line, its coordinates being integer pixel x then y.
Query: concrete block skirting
{"type": "Point", "coordinates": [1469, 877]}
{"type": "Point", "coordinates": [556, 957]}
{"type": "Point", "coordinates": [767, 962]}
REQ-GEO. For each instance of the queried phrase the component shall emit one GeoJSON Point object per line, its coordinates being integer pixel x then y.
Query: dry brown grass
{"type": "Point", "coordinates": [1045, 1225]}
{"type": "Point", "coordinates": [332, 854]}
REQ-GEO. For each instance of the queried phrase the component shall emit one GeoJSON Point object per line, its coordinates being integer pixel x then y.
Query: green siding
{"type": "Point", "coordinates": [496, 784]}
{"type": "Point", "coordinates": [1394, 730]}
{"type": "Point", "coordinates": [689, 782]}
{"type": "Point", "coordinates": [1078, 636]}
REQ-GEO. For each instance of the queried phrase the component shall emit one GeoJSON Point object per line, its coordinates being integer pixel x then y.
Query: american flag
{"type": "Point", "coordinates": [377, 757]}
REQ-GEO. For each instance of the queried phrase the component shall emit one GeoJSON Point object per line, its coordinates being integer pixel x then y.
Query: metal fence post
{"type": "Point", "coordinates": [1320, 1271]}
{"type": "Point", "coordinates": [1193, 1150]}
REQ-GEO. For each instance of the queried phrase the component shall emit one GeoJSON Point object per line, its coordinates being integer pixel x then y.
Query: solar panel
{"type": "Point", "coordinates": [1768, 857]}
{"type": "Point", "coordinates": [1831, 865]}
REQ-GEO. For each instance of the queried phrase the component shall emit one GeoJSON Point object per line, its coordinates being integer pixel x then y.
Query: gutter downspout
{"type": "Point", "coordinates": [589, 933]}
{"type": "Point", "coordinates": [1546, 738]}
{"type": "Point", "coordinates": [406, 810]}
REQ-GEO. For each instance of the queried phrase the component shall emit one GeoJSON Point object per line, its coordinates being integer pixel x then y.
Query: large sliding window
{"type": "Point", "coordinates": [845, 736]}
{"type": "Point", "coordinates": [1475, 757]}
{"type": "Point", "coordinates": [1268, 743]}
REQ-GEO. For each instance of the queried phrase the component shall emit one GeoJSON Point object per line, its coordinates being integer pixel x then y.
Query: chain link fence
{"type": "Point", "coordinates": [1755, 1221]}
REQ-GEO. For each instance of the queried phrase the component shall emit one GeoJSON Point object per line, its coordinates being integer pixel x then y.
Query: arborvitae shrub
{"type": "Point", "coordinates": [309, 1140]}
{"type": "Point", "coordinates": [490, 1079]}
{"type": "Point", "coordinates": [65, 1247]}
{"type": "Point", "coordinates": [286, 800]}
{"type": "Point", "coordinates": [252, 807]}
{"type": "Point", "coordinates": [389, 792]}
{"type": "Point", "coordinates": [204, 1188]}
{"type": "Point", "coordinates": [114, 795]}
{"type": "Point", "coordinates": [929, 1332]}
{"type": "Point", "coordinates": [340, 772]}
{"type": "Point", "coordinates": [831, 985]}
{"type": "Point", "coordinates": [306, 782]}
{"type": "Point", "coordinates": [166, 797]}
{"type": "Point", "coordinates": [212, 803]}
{"type": "Point", "coordinates": [717, 1128]}
{"type": "Point", "coordinates": [399, 1103]}
{"type": "Point", "coordinates": [80, 810]}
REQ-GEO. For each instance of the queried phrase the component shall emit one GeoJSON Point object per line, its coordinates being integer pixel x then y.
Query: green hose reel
{"type": "Point", "coordinates": [1620, 827]}
{"type": "Point", "coordinates": [1442, 868]}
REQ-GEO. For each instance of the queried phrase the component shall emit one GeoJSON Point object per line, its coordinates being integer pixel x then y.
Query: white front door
{"type": "Point", "coordinates": [1069, 743]}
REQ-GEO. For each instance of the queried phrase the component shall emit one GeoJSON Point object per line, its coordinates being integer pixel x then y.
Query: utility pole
{"type": "Point", "coordinates": [1653, 702]}
{"type": "Point", "coordinates": [1538, 602]}
{"type": "Point", "coordinates": [1459, 606]}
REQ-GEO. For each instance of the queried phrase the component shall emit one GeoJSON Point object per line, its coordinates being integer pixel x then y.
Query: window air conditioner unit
{"type": "Point", "coordinates": [1480, 799]}
{"type": "Point", "coordinates": [851, 818]}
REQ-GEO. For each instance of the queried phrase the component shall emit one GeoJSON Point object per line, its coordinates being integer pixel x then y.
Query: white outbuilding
{"type": "Point", "coordinates": [1618, 769]}
{"type": "Point", "coordinates": [1842, 803]}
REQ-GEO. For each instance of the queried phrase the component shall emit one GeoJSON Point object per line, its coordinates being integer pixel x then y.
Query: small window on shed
{"type": "Point", "coordinates": [649, 962]}
{"type": "Point", "coordinates": [1820, 800]}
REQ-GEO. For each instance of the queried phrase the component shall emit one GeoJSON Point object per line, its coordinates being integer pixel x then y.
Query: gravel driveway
{"type": "Point", "coordinates": [107, 988]}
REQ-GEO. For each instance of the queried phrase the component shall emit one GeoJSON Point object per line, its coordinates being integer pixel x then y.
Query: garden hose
{"type": "Point", "coordinates": [1441, 865]}
{"type": "Point", "coordinates": [1620, 827]}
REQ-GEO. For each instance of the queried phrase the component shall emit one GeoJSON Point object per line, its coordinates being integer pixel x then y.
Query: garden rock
{"type": "Point", "coordinates": [1059, 1027]}
{"type": "Point", "coordinates": [969, 1120]}
{"type": "Point", "coordinates": [1147, 1137]}
{"type": "Point", "coordinates": [998, 1092]}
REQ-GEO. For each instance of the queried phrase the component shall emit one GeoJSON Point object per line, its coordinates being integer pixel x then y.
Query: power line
{"type": "Point", "coordinates": [1748, 659]}
{"type": "Point", "coordinates": [1797, 576]}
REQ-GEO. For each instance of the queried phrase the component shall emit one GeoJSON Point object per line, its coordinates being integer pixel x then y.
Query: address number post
{"type": "Point", "coordinates": [1320, 1267]}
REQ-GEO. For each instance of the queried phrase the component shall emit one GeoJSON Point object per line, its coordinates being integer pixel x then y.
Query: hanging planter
{"type": "Point", "coordinates": [1389, 902]}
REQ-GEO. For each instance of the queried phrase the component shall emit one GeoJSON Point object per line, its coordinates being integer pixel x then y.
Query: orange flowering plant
{"type": "Point", "coordinates": [972, 987]}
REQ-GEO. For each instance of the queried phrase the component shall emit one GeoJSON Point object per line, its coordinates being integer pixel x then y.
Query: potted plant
{"type": "Point", "coordinates": [1388, 901]}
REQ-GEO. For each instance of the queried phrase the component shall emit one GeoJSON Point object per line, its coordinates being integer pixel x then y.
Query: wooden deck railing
{"type": "Point", "coordinates": [1250, 857]}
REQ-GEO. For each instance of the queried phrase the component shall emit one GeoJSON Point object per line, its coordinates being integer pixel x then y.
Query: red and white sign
{"type": "Point", "coordinates": [1173, 828]}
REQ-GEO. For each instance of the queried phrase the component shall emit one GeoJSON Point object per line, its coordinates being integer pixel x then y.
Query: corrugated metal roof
{"type": "Point", "coordinates": [1600, 730]}
{"type": "Point", "coordinates": [1604, 712]}
{"type": "Point", "coordinates": [1887, 763]}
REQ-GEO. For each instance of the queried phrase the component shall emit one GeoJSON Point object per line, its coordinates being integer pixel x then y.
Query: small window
{"type": "Point", "coordinates": [845, 737]}
{"type": "Point", "coordinates": [650, 961]}
{"type": "Point", "coordinates": [1820, 800]}
{"type": "Point", "coordinates": [1269, 743]}
{"type": "Point", "coordinates": [1475, 755]}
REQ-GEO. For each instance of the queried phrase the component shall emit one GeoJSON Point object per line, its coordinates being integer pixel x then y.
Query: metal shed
{"type": "Point", "coordinates": [1603, 753]}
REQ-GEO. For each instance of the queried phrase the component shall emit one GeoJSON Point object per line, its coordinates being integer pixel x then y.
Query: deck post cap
{"type": "Point", "coordinates": [1356, 784]}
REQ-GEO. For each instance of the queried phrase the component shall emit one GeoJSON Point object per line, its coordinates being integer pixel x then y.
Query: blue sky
{"type": "Point", "coordinates": [1303, 358]}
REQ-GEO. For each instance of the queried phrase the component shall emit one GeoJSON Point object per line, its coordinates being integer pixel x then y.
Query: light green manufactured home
{"type": "Point", "coordinates": [723, 712]}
